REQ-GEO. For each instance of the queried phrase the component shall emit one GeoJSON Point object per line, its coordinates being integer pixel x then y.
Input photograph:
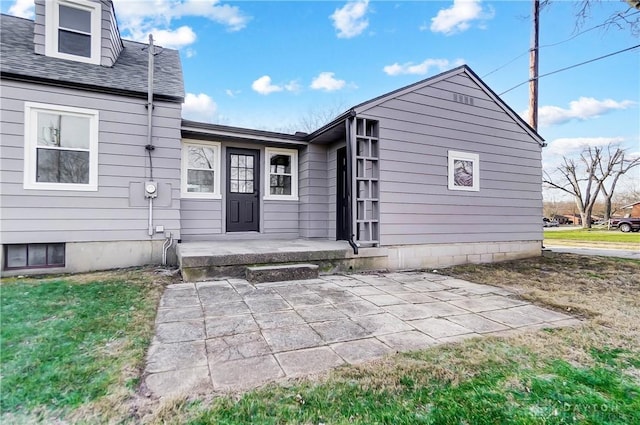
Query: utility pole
{"type": "Point", "coordinates": [533, 68]}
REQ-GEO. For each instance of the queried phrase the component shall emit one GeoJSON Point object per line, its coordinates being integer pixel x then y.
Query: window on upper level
{"type": "Point", "coordinates": [73, 30]}
{"type": "Point", "coordinates": [61, 148]}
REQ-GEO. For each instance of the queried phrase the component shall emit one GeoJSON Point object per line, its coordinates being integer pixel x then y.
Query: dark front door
{"type": "Point", "coordinates": [342, 223]}
{"type": "Point", "coordinates": [243, 190]}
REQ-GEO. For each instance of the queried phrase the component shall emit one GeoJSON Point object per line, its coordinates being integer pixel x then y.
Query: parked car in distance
{"type": "Point", "coordinates": [627, 224]}
{"type": "Point", "coordinates": [550, 223]}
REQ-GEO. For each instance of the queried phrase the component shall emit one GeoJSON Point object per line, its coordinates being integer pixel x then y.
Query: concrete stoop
{"type": "Point", "coordinates": [279, 273]}
{"type": "Point", "coordinates": [272, 261]}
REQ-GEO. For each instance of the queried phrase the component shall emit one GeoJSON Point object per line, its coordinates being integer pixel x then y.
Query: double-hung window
{"type": "Point", "coordinates": [61, 148]}
{"type": "Point", "coordinates": [73, 30]}
{"type": "Point", "coordinates": [200, 170]}
{"type": "Point", "coordinates": [281, 168]}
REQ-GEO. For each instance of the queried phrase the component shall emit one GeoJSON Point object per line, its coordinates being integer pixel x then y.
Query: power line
{"type": "Point", "coordinates": [572, 66]}
{"type": "Point", "coordinates": [551, 45]}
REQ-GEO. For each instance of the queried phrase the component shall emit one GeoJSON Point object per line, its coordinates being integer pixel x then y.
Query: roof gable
{"type": "Point", "coordinates": [461, 70]}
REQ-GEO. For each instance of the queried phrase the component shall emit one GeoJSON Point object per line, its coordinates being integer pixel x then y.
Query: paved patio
{"type": "Point", "coordinates": [230, 335]}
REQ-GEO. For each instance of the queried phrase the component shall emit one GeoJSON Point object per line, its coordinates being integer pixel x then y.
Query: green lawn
{"type": "Point", "coordinates": [72, 350]}
{"type": "Point", "coordinates": [67, 342]}
{"type": "Point", "coordinates": [593, 235]}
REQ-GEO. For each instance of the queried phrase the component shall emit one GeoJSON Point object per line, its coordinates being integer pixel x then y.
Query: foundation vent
{"type": "Point", "coordinates": [461, 98]}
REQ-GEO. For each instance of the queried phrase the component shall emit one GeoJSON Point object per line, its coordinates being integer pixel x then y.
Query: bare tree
{"type": "Point", "coordinates": [578, 179]}
{"type": "Point", "coordinates": [613, 166]}
{"type": "Point", "coordinates": [628, 16]}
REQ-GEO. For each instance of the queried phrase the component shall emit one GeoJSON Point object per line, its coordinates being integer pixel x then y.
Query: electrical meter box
{"type": "Point", "coordinates": [151, 190]}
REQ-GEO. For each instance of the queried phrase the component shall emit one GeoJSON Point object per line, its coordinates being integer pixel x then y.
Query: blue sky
{"type": "Point", "coordinates": [272, 65]}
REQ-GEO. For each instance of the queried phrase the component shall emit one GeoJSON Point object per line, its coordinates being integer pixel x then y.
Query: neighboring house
{"type": "Point", "coordinates": [632, 210]}
{"type": "Point", "coordinates": [423, 172]}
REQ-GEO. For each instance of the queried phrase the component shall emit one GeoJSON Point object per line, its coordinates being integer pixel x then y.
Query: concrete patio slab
{"type": "Point", "coordinates": [179, 355]}
{"type": "Point", "coordinates": [360, 351]}
{"type": "Point", "coordinates": [439, 328]}
{"type": "Point", "coordinates": [491, 302]}
{"type": "Point", "coordinates": [191, 330]}
{"type": "Point", "coordinates": [407, 341]}
{"type": "Point", "coordinates": [179, 314]}
{"type": "Point", "coordinates": [307, 361]}
{"type": "Point", "coordinates": [235, 347]}
{"type": "Point", "coordinates": [292, 338]}
{"type": "Point", "coordinates": [229, 335]}
{"type": "Point", "coordinates": [230, 325]}
{"type": "Point", "coordinates": [195, 380]}
{"type": "Point", "coordinates": [339, 330]}
{"type": "Point", "coordinates": [245, 373]}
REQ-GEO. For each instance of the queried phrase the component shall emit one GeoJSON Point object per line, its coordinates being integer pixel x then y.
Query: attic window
{"type": "Point", "coordinates": [73, 30]}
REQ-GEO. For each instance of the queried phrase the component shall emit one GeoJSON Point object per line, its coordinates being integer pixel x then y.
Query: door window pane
{"type": "Point", "coordinates": [241, 174]}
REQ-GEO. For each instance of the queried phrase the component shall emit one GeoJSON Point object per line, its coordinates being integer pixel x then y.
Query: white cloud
{"type": "Point", "coordinates": [459, 16]}
{"type": "Point", "coordinates": [232, 93]}
{"type": "Point", "coordinates": [175, 39]}
{"type": "Point", "coordinates": [421, 68]}
{"type": "Point", "coordinates": [22, 9]}
{"type": "Point", "coordinates": [293, 86]}
{"type": "Point", "coordinates": [263, 86]}
{"type": "Point", "coordinates": [582, 109]}
{"type": "Point", "coordinates": [327, 82]}
{"type": "Point", "coordinates": [137, 19]}
{"type": "Point", "coordinates": [565, 146]}
{"type": "Point", "coordinates": [350, 19]}
{"type": "Point", "coordinates": [199, 107]}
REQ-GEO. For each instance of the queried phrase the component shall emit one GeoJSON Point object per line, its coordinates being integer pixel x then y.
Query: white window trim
{"type": "Point", "coordinates": [464, 156]}
{"type": "Point", "coordinates": [216, 172]}
{"type": "Point", "coordinates": [294, 174]}
{"type": "Point", "coordinates": [31, 146]}
{"type": "Point", "coordinates": [51, 29]}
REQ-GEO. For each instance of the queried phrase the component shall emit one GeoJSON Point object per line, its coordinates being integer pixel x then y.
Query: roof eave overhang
{"type": "Point", "coordinates": [197, 130]}
{"type": "Point", "coordinates": [88, 87]}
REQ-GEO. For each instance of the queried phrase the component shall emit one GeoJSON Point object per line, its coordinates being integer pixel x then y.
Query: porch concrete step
{"type": "Point", "coordinates": [201, 261]}
{"type": "Point", "coordinates": [281, 272]}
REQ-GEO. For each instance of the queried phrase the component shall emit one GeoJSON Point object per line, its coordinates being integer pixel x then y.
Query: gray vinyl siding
{"type": "Point", "coordinates": [280, 219]}
{"type": "Point", "coordinates": [117, 210]}
{"type": "Point", "coordinates": [111, 42]}
{"type": "Point", "coordinates": [201, 219]}
{"type": "Point", "coordinates": [39, 27]}
{"type": "Point", "coordinates": [313, 192]}
{"type": "Point", "coordinates": [332, 180]}
{"type": "Point", "coordinates": [417, 130]}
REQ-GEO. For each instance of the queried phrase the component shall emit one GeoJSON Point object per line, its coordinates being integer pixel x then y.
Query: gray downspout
{"type": "Point", "coordinates": [349, 124]}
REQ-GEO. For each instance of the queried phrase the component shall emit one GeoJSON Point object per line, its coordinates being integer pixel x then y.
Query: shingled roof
{"type": "Point", "coordinates": [128, 76]}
